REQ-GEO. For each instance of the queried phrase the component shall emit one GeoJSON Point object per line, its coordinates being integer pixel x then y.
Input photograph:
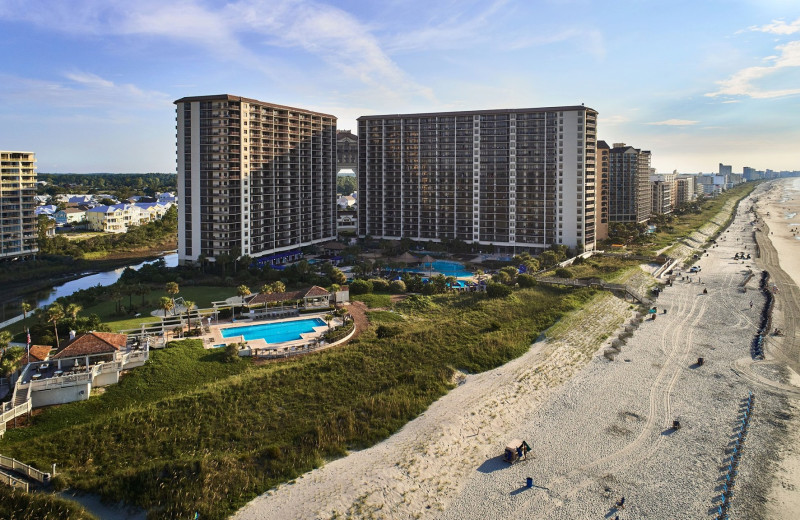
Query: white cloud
{"type": "Point", "coordinates": [674, 122]}
{"type": "Point", "coordinates": [777, 27]}
{"type": "Point", "coordinates": [612, 120]}
{"type": "Point", "coordinates": [741, 83]}
{"type": "Point", "coordinates": [452, 33]}
{"type": "Point", "coordinates": [228, 29]}
{"type": "Point", "coordinates": [81, 90]}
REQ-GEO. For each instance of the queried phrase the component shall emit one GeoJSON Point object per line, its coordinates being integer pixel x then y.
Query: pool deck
{"type": "Point", "coordinates": [215, 336]}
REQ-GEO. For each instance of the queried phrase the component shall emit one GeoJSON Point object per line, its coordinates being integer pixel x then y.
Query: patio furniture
{"type": "Point", "coordinates": [58, 373]}
{"type": "Point", "coordinates": [36, 377]}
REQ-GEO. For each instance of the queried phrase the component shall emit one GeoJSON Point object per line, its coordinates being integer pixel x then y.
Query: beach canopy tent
{"type": "Point", "coordinates": [514, 449]}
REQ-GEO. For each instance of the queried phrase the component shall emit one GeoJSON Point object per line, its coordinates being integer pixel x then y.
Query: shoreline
{"type": "Point", "coordinates": [446, 462]}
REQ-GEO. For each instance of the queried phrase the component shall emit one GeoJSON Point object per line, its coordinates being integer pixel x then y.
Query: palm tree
{"type": "Point", "coordinates": [266, 288]}
{"type": "Point", "coordinates": [142, 290]}
{"type": "Point", "coordinates": [72, 310]}
{"type": "Point", "coordinates": [242, 291]}
{"type": "Point", "coordinates": [55, 312]}
{"type": "Point", "coordinates": [26, 308]}
{"type": "Point", "coordinates": [328, 319]}
{"type": "Point", "coordinates": [278, 287]}
{"type": "Point", "coordinates": [172, 289]}
{"type": "Point", "coordinates": [189, 306]}
{"type": "Point", "coordinates": [166, 303]}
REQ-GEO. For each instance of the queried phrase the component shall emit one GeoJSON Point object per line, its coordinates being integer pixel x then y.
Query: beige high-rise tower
{"type": "Point", "coordinates": [516, 179]}
{"type": "Point", "coordinates": [17, 217]}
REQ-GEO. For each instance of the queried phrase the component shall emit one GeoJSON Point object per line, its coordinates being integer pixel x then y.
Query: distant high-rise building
{"type": "Point", "coordinates": [629, 184]}
{"type": "Point", "coordinates": [17, 218]}
{"type": "Point", "coordinates": [254, 178]}
{"type": "Point", "coordinates": [346, 150]}
{"type": "Point", "coordinates": [725, 170]}
{"type": "Point", "coordinates": [685, 191]}
{"type": "Point", "coordinates": [601, 209]}
{"type": "Point", "coordinates": [749, 174]}
{"type": "Point", "coordinates": [662, 189]}
{"type": "Point", "coordinates": [515, 180]}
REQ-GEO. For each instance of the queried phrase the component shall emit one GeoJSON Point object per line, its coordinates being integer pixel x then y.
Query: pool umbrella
{"type": "Point", "coordinates": [406, 258]}
{"type": "Point", "coordinates": [428, 259]}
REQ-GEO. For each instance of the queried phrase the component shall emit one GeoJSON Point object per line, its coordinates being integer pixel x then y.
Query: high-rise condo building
{"type": "Point", "coordinates": [601, 210]}
{"type": "Point", "coordinates": [517, 180]}
{"type": "Point", "coordinates": [17, 218]}
{"type": "Point", "coordinates": [629, 184]}
{"type": "Point", "coordinates": [254, 178]}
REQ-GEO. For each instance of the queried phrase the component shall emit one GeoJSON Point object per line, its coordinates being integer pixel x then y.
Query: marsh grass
{"type": "Point", "coordinates": [188, 432]}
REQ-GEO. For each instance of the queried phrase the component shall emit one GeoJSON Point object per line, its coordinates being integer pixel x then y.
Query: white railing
{"type": "Point", "coordinates": [14, 482]}
{"type": "Point", "coordinates": [24, 469]}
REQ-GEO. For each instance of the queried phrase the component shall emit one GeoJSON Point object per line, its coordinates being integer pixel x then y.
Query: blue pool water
{"type": "Point", "coordinates": [274, 332]}
{"type": "Point", "coordinates": [446, 267]}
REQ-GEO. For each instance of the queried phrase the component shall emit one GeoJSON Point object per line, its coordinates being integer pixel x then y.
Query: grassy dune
{"type": "Point", "coordinates": [189, 432]}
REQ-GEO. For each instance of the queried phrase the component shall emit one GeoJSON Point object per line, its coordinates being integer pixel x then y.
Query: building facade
{"type": "Point", "coordinates": [515, 180]}
{"type": "Point", "coordinates": [17, 205]}
{"type": "Point", "coordinates": [629, 184]}
{"type": "Point", "coordinates": [346, 150]}
{"type": "Point", "coordinates": [601, 210]}
{"type": "Point", "coordinates": [254, 178]}
{"type": "Point", "coordinates": [663, 191]}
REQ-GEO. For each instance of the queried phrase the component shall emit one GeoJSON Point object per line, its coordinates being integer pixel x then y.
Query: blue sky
{"type": "Point", "coordinates": [89, 84]}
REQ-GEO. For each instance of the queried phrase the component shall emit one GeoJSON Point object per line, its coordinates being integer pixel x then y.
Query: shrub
{"type": "Point", "coordinates": [379, 285]}
{"type": "Point", "coordinates": [526, 280]}
{"type": "Point", "coordinates": [386, 331]}
{"type": "Point", "coordinates": [563, 272]}
{"type": "Point", "coordinates": [497, 290]}
{"type": "Point", "coordinates": [231, 354]}
{"type": "Point", "coordinates": [361, 287]}
{"type": "Point", "coordinates": [397, 287]}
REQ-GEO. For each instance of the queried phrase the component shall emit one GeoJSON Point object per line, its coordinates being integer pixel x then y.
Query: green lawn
{"type": "Point", "coordinates": [189, 432]}
{"type": "Point", "coordinates": [202, 296]}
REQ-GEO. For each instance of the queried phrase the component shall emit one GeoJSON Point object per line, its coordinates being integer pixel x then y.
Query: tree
{"type": "Point", "coordinates": [242, 291]}
{"type": "Point", "coordinates": [337, 276]}
{"type": "Point", "coordinates": [5, 339]}
{"type": "Point", "coordinates": [172, 289]}
{"type": "Point", "coordinates": [166, 304]}
{"type": "Point", "coordinates": [361, 287]}
{"type": "Point", "coordinates": [189, 306]}
{"type": "Point", "coordinates": [278, 287]}
{"type": "Point", "coordinates": [497, 290]}
{"type": "Point", "coordinates": [72, 310]}
{"type": "Point", "coordinates": [328, 320]}
{"type": "Point", "coordinates": [142, 290]}
{"type": "Point", "coordinates": [55, 312]}
{"type": "Point", "coordinates": [26, 308]}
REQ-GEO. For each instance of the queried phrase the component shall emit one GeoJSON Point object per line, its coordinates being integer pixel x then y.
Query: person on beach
{"type": "Point", "coordinates": [751, 304]}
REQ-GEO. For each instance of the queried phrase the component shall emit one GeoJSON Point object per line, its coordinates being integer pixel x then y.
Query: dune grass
{"type": "Point", "coordinates": [374, 300]}
{"type": "Point", "coordinates": [18, 505]}
{"type": "Point", "coordinates": [188, 432]}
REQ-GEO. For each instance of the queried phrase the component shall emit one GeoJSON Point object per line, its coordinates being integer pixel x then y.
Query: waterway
{"type": "Point", "coordinates": [11, 309]}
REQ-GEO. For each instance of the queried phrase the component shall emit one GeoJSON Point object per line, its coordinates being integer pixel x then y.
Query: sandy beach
{"type": "Point", "coordinates": [601, 429]}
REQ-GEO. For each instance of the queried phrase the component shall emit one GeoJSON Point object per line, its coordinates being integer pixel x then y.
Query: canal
{"type": "Point", "coordinates": [11, 309]}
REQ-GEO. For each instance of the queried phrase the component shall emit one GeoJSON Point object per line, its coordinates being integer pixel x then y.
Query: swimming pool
{"type": "Point", "coordinates": [446, 267]}
{"type": "Point", "coordinates": [274, 332]}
